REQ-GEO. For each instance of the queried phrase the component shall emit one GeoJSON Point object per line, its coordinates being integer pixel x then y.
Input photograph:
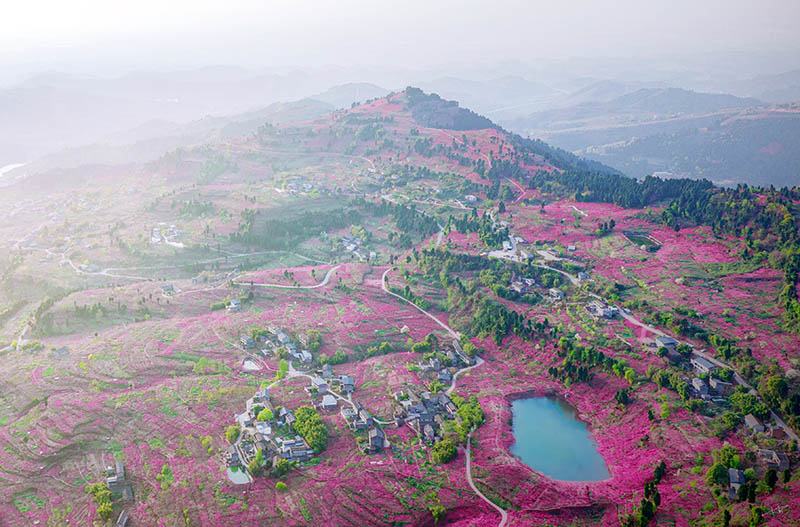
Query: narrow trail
{"type": "Point", "coordinates": [479, 361]}
{"type": "Point", "coordinates": [323, 283]}
{"type": "Point", "coordinates": [467, 452]}
{"type": "Point", "coordinates": [447, 328]}
{"type": "Point", "coordinates": [521, 190]}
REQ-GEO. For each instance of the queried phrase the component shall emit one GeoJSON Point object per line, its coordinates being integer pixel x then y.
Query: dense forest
{"type": "Point", "coordinates": [431, 111]}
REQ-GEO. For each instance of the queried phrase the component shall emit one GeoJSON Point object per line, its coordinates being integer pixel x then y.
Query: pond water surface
{"type": "Point", "coordinates": [238, 475]}
{"type": "Point", "coordinates": [552, 440]}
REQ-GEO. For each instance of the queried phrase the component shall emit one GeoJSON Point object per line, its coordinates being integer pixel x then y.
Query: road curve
{"type": "Point", "coordinates": [442, 324]}
{"type": "Point", "coordinates": [281, 286]}
{"type": "Point", "coordinates": [503, 513]}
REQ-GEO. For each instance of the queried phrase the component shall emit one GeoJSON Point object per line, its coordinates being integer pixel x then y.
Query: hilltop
{"type": "Point", "coordinates": [326, 320]}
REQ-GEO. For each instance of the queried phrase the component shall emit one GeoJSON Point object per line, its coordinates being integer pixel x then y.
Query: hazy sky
{"type": "Point", "coordinates": [411, 33]}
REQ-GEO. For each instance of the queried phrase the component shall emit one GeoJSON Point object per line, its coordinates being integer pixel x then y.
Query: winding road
{"type": "Point", "coordinates": [498, 508]}
{"type": "Point", "coordinates": [323, 283]}
{"type": "Point", "coordinates": [444, 326]}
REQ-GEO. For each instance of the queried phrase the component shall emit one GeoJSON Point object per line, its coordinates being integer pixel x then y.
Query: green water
{"type": "Point", "coordinates": [552, 440]}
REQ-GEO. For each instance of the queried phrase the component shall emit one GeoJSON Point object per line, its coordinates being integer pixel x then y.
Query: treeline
{"type": "Point", "coordinates": [578, 362]}
{"type": "Point", "coordinates": [764, 218]}
{"type": "Point", "coordinates": [277, 234]}
{"type": "Point", "coordinates": [311, 427]}
{"type": "Point", "coordinates": [488, 317]}
{"type": "Point", "coordinates": [431, 111]}
{"type": "Point", "coordinates": [484, 226]}
{"type": "Point", "coordinates": [408, 219]}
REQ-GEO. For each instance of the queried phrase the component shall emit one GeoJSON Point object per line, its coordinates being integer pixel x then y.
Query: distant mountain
{"type": "Point", "coordinates": [154, 138]}
{"type": "Point", "coordinates": [495, 97]}
{"type": "Point", "coordinates": [780, 88]}
{"type": "Point", "coordinates": [757, 148]}
{"type": "Point", "coordinates": [640, 106]}
{"type": "Point", "coordinates": [345, 95]}
{"type": "Point", "coordinates": [54, 111]}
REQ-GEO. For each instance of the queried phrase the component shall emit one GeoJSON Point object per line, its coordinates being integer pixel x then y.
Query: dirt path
{"type": "Point", "coordinates": [447, 328]}
{"type": "Point", "coordinates": [281, 286]}
{"type": "Point", "coordinates": [467, 452]}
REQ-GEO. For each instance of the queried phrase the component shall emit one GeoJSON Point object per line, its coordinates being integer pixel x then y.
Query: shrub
{"type": "Point", "coordinates": [232, 433]}
{"type": "Point", "coordinates": [281, 486]}
{"type": "Point", "coordinates": [444, 451]}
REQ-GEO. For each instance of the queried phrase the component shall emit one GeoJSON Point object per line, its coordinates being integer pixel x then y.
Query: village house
{"type": "Point", "coordinates": [247, 342]}
{"type": "Point", "coordinates": [700, 387]}
{"type": "Point", "coordinates": [376, 441]}
{"type": "Point", "coordinates": [777, 460]}
{"type": "Point", "coordinates": [60, 353]}
{"type": "Point", "coordinates": [235, 305]}
{"type": "Point", "coordinates": [433, 364]}
{"type": "Point", "coordinates": [523, 285]}
{"type": "Point", "coordinates": [168, 290]}
{"type": "Point", "coordinates": [347, 384]}
{"type": "Point", "coordinates": [444, 377]}
{"type": "Point", "coordinates": [328, 402]}
{"type": "Point", "coordinates": [294, 449]}
{"type": "Point", "coordinates": [556, 294]}
{"type": "Point", "coordinates": [667, 342]}
{"type": "Point", "coordinates": [319, 384]}
{"type": "Point", "coordinates": [720, 387]}
{"type": "Point", "coordinates": [303, 356]}
{"type": "Point", "coordinates": [469, 198]}
{"type": "Point", "coordinates": [348, 413]}
{"type": "Point", "coordinates": [599, 309]}
{"type": "Point", "coordinates": [571, 248]}
{"type": "Point", "coordinates": [583, 276]}
{"type": "Point", "coordinates": [327, 371]}
{"type": "Point", "coordinates": [122, 519]}
{"type": "Point", "coordinates": [700, 364]}
{"type": "Point", "coordinates": [736, 478]}
{"type": "Point", "coordinates": [753, 423]}
{"type": "Point", "coordinates": [116, 482]}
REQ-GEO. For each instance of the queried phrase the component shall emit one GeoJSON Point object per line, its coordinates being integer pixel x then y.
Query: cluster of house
{"type": "Point", "coordinates": [169, 290]}
{"type": "Point", "coordinates": [358, 418]}
{"type": "Point", "coordinates": [276, 339]}
{"type": "Point", "coordinates": [599, 309]}
{"type": "Point", "coordinates": [117, 484]}
{"type": "Point", "coordinates": [354, 246]}
{"type": "Point", "coordinates": [159, 235]}
{"type": "Point", "coordinates": [269, 436]}
{"type": "Point", "coordinates": [424, 413]}
{"type": "Point", "coordinates": [321, 386]}
{"type": "Point", "coordinates": [299, 185]}
{"type": "Point", "coordinates": [705, 385]}
{"type": "Point", "coordinates": [770, 459]}
{"type": "Point", "coordinates": [522, 285]}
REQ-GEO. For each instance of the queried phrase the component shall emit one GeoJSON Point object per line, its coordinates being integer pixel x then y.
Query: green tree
{"type": "Point", "coordinates": [771, 478]}
{"type": "Point", "coordinates": [232, 433]}
{"type": "Point", "coordinates": [444, 451]}
{"type": "Point", "coordinates": [717, 474]}
{"type": "Point", "coordinates": [438, 512]}
{"type": "Point", "coordinates": [264, 415]}
{"type": "Point", "coordinates": [280, 486]}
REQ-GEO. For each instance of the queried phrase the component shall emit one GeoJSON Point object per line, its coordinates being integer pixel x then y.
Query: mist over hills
{"type": "Point", "coordinates": [58, 119]}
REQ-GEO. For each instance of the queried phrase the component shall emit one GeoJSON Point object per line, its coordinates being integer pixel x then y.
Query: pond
{"type": "Point", "coordinates": [552, 440]}
{"type": "Point", "coordinates": [238, 475]}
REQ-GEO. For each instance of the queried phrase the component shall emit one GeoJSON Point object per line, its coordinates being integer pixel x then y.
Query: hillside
{"type": "Point", "coordinates": [335, 320]}
{"type": "Point", "coordinates": [757, 148]}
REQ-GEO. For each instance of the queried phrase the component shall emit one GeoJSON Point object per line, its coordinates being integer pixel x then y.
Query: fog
{"type": "Point", "coordinates": [85, 72]}
{"type": "Point", "coordinates": [111, 37]}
